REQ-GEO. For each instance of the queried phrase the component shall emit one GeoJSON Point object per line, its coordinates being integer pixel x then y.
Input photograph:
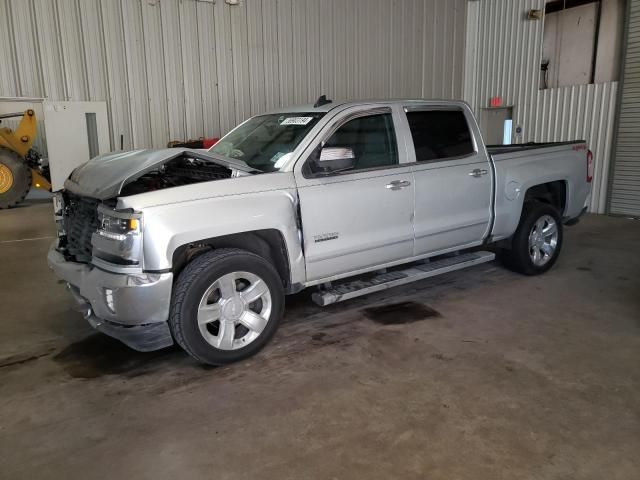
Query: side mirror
{"type": "Point", "coordinates": [335, 159]}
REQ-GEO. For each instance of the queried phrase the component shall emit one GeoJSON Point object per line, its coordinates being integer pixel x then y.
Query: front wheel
{"type": "Point", "coordinates": [536, 244]}
{"type": "Point", "coordinates": [226, 306]}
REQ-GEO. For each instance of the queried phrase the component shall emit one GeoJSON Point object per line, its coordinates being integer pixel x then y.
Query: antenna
{"type": "Point", "coordinates": [322, 100]}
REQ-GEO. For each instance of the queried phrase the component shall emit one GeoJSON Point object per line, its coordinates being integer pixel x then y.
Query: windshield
{"type": "Point", "coordinates": [265, 142]}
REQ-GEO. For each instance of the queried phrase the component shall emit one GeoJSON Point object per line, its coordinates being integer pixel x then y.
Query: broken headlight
{"type": "Point", "coordinates": [58, 213]}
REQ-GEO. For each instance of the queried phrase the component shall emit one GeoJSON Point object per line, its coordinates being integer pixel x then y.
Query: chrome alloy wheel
{"type": "Point", "coordinates": [234, 310]}
{"type": "Point", "coordinates": [543, 240]}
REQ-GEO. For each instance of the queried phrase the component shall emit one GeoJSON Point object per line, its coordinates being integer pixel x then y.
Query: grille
{"type": "Point", "coordinates": [80, 222]}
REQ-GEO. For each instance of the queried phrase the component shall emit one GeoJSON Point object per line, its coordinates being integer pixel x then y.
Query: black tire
{"type": "Point", "coordinates": [18, 179]}
{"type": "Point", "coordinates": [195, 280]}
{"type": "Point", "coordinates": [518, 258]}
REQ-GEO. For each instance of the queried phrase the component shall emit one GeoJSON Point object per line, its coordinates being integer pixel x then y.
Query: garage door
{"type": "Point", "coordinates": [625, 191]}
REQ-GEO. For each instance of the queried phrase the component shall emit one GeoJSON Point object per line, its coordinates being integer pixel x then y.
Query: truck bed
{"type": "Point", "coordinates": [520, 167]}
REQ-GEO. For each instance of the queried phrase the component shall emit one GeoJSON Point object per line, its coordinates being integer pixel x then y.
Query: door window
{"type": "Point", "coordinates": [440, 134]}
{"type": "Point", "coordinates": [371, 138]}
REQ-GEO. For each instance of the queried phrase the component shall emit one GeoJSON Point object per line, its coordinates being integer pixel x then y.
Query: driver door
{"type": "Point", "coordinates": [359, 219]}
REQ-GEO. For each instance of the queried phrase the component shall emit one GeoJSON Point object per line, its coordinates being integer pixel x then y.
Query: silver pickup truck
{"type": "Point", "coordinates": [201, 247]}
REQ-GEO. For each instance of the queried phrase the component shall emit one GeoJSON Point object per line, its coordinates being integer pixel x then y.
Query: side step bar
{"type": "Point", "coordinates": [383, 281]}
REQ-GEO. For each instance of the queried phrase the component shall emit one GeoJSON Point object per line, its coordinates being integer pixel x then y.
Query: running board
{"type": "Point", "coordinates": [383, 281]}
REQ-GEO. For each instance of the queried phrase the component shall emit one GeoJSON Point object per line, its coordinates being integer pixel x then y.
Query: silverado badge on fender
{"type": "Point", "coordinates": [325, 237]}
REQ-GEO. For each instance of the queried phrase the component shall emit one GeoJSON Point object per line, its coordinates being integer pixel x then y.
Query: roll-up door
{"type": "Point", "coordinates": [625, 187]}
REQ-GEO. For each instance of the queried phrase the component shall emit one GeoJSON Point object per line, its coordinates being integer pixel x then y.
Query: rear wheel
{"type": "Point", "coordinates": [226, 306]}
{"type": "Point", "coordinates": [15, 179]}
{"type": "Point", "coordinates": [536, 244]}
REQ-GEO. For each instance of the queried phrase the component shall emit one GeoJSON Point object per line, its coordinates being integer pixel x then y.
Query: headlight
{"type": "Point", "coordinates": [117, 228]}
{"type": "Point", "coordinates": [118, 239]}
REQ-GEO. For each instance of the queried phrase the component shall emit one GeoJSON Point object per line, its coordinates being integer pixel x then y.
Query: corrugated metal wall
{"type": "Point", "coordinates": [507, 64]}
{"type": "Point", "coordinates": [176, 69]}
{"type": "Point", "coordinates": [625, 187]}
{"type": "Point", "coordinates": [580, 112]}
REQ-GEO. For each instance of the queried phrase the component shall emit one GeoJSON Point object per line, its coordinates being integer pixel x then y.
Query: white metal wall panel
{"type": "Point", "coordinates": [240, 63]}
{"type": "Point", "coordinates": [174, 69]}
{"type": "Point", "coordinates": [581, 111]}
{"type": "Point", "coordinates": [506, 63]}
{"type": "Point", "coordinates": [23, 28]}
{"type": "Point", "coordinates": [224, 58]}
{"type": "Point", "coordinates": [111, 13]}
{"type": "Point", "coordinates": [285, 50]}
{"type": "Point", "coordinates": [472, 37]}
{"type": "Point", "coordinates": [327, 53]}
{"type": "Point", "coordinates": [406, 47]}
{"type": "Point", "coordinates": [9, 83]}
{"type": "Point", "coordinates": [255, 45]}
{"type": "Point", "coordinates": [136, 74]}
{"type": "Point", "coordinates": [156, 81]}
{"type": "Point", "coordinates": [299, 51]}
{"type": "Point", "coordinates": [49, 38]}
{"type": "Point", "coordinates": [313, 45]}
{"type": "Point", "coordinates": [373, 21]}
{"type": "Point", "coordinates": [270, 57]}
{"type": "Point", "coordinates": [72, 48]}
{"type": "Point", "coordinates": [208, 69]}
{"type": "Point", "coordinates": [429, 52]}
{"type": "Point", "coordinates": [190, 45]}
{"type": "Point", "coordinates": [625, 187]}
{"type": "Point", "coordinates": [170, 13]}
{"type": "Point", "coordinates": [94, 49]}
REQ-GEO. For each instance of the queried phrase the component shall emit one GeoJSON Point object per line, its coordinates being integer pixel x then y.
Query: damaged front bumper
{"type": "Point", "coordinates": [133, 308]}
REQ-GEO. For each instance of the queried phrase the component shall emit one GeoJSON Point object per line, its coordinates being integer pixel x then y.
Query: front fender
{"type": "Point", "coordinates": [169, 227]}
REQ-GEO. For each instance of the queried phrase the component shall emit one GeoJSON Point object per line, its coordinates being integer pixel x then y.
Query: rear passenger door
{"type": "Point", "coordinates": [452, 175]}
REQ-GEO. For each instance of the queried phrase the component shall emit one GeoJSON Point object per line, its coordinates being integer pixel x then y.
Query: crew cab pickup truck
{"type": "Point", "coordinates": [201, 247]}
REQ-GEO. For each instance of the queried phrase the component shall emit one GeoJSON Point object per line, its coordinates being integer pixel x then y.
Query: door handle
{"type": "Point", "coordinates": [397, 184]}
{"type": "Point", "coordinates": [476, 173]}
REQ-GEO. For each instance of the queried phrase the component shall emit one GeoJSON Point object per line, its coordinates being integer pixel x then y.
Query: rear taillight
{"type": "Point", "coordinates": [589, 166]}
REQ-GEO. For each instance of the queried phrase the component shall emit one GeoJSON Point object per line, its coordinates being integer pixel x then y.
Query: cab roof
{"type": "Point", "coordinates": [309, 107]}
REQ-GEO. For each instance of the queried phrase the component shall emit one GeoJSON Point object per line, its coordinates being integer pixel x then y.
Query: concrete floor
{"type": "Point", "coordinates": [514, 377]}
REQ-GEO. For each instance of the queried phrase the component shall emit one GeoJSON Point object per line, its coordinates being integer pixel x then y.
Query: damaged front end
{"type": "Point", "coordinates": [91, 230]}
{"type": "Point", "coordinates": [129, 173]}
{"type": "Point", "coordinates": [99, 250]}
{"type": "Point", "coordinates": [176, 173]}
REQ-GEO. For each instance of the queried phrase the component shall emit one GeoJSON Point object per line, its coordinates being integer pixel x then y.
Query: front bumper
{"type": "Point", "coordinates": [133, 308]}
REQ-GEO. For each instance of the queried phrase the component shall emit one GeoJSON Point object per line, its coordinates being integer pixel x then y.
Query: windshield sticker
{"type": "Point", "coordinates": [275, 158]}
{"type": "Point", "coordinates": [296, 121]}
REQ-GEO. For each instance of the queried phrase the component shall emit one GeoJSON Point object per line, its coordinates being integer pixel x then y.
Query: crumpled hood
{"type": "Point", "coordinates": [103, 176]}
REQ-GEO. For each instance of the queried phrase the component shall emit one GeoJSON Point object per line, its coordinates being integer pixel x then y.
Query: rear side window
{"type": "Point", "coordinates": [439, 134]}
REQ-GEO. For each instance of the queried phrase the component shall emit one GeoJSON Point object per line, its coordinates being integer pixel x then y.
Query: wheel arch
{"type": "Point", "coordinates": [553, 193]}
{"type": "Point", "coordinates": [267, 243]}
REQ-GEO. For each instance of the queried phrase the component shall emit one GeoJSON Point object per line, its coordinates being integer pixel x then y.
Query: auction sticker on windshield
{"type": "Point", "coordinates": [296, 121]}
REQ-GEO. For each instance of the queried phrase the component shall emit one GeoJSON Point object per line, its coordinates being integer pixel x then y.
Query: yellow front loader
{"type": "Point", "coordinates": [20, 166]}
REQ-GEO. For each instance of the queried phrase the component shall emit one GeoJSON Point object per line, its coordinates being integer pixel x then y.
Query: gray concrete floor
{"type": "Point", "coordinates": [515, 378]}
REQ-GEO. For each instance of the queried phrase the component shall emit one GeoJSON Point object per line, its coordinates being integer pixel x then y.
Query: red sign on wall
{"type": "Point", "coordinates": [495, 102]}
